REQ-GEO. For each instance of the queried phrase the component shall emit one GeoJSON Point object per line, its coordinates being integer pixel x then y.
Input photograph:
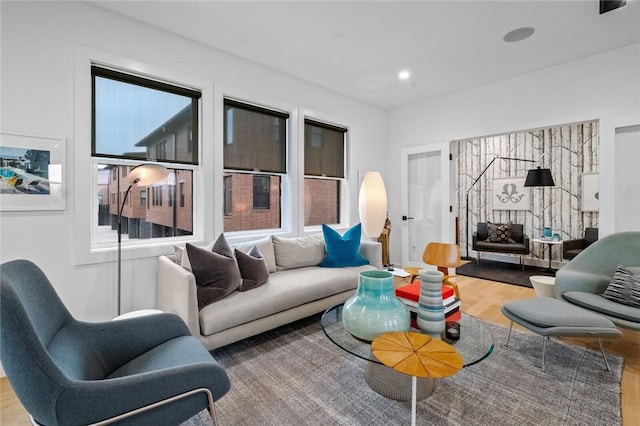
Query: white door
{"type": "Point", "coordinates": [425, 207]}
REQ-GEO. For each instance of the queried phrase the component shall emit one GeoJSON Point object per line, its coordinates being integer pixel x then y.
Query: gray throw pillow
{"type": "Point", "coordinates": [265, 245]}
{"type": "Point", "coordinates": [298, 252]}
{"type": "Point", "coordinates": [253, 269]}
{"type": "Point", "coordinates": [216, 272]}
{"type": "Point", "coordinates": [624, 288]}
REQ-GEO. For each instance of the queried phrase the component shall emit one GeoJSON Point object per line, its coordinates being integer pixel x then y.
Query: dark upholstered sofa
{"type": "Point", "coordinates": [519, 246]}
{"type": "Point", "coordinates": [585, 278]}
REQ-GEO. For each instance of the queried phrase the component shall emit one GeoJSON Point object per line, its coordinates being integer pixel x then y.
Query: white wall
{"type": "Point", "coordinates": [627, 179]}
{"type": "Point", "coordinates": [40, 45]}
{"type": "Point", "coordinates": [603, 87]}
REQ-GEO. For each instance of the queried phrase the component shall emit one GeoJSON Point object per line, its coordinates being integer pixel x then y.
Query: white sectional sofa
{"type": "Point", "coordinates": [293, 291]}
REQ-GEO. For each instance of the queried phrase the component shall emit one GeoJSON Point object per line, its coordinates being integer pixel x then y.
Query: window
{"type": "Point", "coordinates": [324, 171]}
{"type": "Point", "coordinates": [157, 196]}
{"type": "Point", "coordinates": [140, 119]}
{"type": "Point", "coordinates": [161, 149]}
{"type": "Point", "coordinates": [135, 119]}
{"type": "Point", "coordinates": [255, 159]}
{"type": "Point", "coordinates": [261, 191]}
{"type": "Point", "coordinates": [228, 195]}
{"type": "Point", "coordinates": [171, 191]}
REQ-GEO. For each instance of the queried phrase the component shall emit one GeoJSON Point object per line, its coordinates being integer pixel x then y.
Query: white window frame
{"type": "Point", "coordinates": [85, 181]}
{"type": "Point", "coordinates": [288, 185]}
{"type": "Point", "coordinates": [346, 198]}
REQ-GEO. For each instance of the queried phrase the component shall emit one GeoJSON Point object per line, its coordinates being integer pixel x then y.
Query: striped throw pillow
{"type": "Point", "coordinates": [624, 287]}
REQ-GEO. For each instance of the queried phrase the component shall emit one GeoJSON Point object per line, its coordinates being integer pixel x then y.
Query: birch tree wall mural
{"type": "Point", "coordinates": [571, 151]}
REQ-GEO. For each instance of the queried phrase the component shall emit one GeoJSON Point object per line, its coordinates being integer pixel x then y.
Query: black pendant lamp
{"type": "Point", "coordinates": [539, 177]}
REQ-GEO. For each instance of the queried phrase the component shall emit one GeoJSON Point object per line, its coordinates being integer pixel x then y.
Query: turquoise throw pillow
{"type": "Point", "coordinates": [342, 250]}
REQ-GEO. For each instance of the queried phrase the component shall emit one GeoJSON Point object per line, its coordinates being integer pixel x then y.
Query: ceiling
{"type": "Point", "coordinates": [357, 48]}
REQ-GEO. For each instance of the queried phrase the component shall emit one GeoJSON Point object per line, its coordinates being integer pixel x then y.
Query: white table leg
{"type": "Point", "coordinates": [414, 385]}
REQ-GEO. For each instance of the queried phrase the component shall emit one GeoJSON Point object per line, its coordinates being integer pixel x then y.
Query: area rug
{"type": "Point", "coordinates": [510, 273]}
{"type": "Point", "coordinates": [295, 376]}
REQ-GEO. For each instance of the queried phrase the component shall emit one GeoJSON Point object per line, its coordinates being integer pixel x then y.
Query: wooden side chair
{"type": "Point", "coordinates": [443, 256]}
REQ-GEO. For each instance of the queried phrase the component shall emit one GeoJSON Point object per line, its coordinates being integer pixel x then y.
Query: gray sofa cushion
{"type": "Point", "coordinates": [548, 312]}
{"type": "Point", "coordinates": [596, 302]}
{"type": "Point", "coordinates": [298, 252]}
{"type": "Point", "coordinates": [284, 290]}
{"type": "Point", "coordinates": [265, 245]}
{"type": "Point", "coordinates": [501, 247]}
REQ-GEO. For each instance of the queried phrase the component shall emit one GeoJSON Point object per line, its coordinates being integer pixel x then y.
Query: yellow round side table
{"type": "Point", "coordinates": [416, 355]}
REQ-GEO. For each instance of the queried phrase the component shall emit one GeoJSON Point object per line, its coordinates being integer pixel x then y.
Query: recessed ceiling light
{"type": "Point", "coordinates": [403, 75]}
{"type": "Point", "coordinates": [518, 34]}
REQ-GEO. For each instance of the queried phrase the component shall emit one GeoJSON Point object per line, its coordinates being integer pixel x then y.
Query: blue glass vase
{"type": "Point", "coordinates": [374, 309]}
{"type": "Point", "coordinates": [430, 307]}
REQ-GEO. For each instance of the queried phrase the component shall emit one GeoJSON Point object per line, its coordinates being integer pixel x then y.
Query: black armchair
{"type": "Point", "coordinates": [144, 370]}
{"type": "Point", "coordinates": [571, 248]}
{"type": "Point", "coordinates": [516, 243]}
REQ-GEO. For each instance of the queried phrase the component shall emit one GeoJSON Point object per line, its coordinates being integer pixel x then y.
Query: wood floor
{"type": "Point", "coordinates": [479, 298]}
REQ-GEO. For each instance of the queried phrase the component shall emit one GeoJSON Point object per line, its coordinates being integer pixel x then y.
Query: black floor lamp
{"type": "Point", "coordinates": [142, 175]}
{"type": "Point", "coordinates": [535, 177]}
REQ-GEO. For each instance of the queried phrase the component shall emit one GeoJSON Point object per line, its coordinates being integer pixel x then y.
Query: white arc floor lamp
{"type": "Point", "coordinates": [142, 175]}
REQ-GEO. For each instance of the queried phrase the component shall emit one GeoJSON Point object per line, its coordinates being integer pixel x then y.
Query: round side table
{"type": "Point", "coordinates": [543, 285]}
{"type": "Point", "coordinates": [416, 355]}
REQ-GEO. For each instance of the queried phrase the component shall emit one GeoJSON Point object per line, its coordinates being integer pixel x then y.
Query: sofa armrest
{"type": "Point", "coordinates": [177, 294]}
{"type": "Point", "coordinates": [568, 279]}
{"type": "Point", "coordinates": [571, 245]}
{"type": "Point", "coordinates": [475, 240]}
{"type": "Point", "coordinates": [525, 241]}
{"type": "Point", "coordinates": [372, 250]}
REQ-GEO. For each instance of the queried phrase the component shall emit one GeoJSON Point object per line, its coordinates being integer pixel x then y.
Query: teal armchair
{"type": "Point", "coordinates": [583, 280]}
{"type": "Point", "coordinates": [145, 370]}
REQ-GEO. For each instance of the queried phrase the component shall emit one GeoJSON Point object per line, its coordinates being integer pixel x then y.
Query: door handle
{"type": "Point", "coordinates": [407, 218]}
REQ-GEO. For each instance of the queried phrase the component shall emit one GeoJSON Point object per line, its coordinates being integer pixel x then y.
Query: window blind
{"type": "Point", "coordinates": [255, 138]}
{"type": "Point", "coordinates": [324, 147]}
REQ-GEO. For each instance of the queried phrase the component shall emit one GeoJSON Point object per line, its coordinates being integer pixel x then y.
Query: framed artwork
{"type": "Point", "coordinates": [31, 173]}
{"type": "Point", "coordinates": [510, 194]}
{"type": "Point", "coordinates": [590, 192]}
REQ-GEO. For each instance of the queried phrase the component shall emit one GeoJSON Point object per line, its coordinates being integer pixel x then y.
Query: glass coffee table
{"type": "Point", "coordinates": [475, 344]}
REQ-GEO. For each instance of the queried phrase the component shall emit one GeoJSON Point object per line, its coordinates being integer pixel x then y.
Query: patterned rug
{"type": "Point", "coordinates": [510, 273]}
{"type": "Point", "coordinates": [295, 376]}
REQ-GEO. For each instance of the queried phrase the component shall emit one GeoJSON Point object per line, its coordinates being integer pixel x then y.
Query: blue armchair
{"type": "Point", "coordinates": [583, 280]}
{"type": "Point", "coordinates": [145, 370]}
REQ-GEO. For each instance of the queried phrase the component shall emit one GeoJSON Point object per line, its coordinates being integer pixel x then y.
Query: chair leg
{"type": "Point", "coordinates": [603, 354]}
{"type": "Point", "coordinates": [506, 344]}
{"type": "Point", "coordinates": [544, 349]}
{"type": "Point", "coordinates": [33, 421]}
{"type": "Point", "coordinates": [453, 285]}
{"type": "Point", "coordinates": [159, 404]}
